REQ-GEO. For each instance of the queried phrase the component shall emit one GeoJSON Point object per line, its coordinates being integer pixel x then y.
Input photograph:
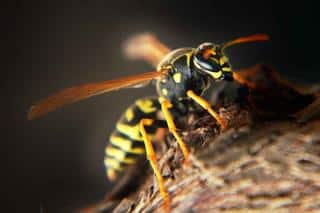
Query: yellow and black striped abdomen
{"type": "Point", "coordinates": [126, 143]}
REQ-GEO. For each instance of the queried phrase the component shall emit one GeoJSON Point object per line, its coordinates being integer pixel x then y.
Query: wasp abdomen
{"type": "Point", "coordinates": [126, 142]}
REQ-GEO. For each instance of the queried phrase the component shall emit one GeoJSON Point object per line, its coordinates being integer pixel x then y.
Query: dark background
{"type": "Point", "coordinates": [56, 162]}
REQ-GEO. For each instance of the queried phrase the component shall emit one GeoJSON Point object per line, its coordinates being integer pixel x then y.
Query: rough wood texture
{"type": "Point", "coordinates": [266, 161]}
{"type": "Point", "coordinates": [272, 167]}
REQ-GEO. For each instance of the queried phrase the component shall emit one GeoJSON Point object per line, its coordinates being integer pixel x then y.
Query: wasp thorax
{"type": "Point", "coordinates": [209, 58]}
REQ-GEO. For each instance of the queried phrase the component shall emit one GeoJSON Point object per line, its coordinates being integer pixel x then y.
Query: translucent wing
{"type": "Point", "coordinates": [84, 91]}
{"type": "Point", "coordinates": [146, 46]}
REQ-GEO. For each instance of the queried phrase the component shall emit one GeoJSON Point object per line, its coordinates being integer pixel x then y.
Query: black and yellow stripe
{"type": "Point", "coordinates": [126, 142]}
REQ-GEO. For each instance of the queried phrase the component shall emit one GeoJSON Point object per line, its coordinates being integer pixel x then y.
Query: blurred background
{"type": "Point", "coordinates": [55, 163]}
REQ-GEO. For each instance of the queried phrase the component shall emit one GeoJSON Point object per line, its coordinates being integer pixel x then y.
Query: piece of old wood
{"type": "Point", "coordinates": [266, 161]}
{"type": "Point", "coordinates": [272, 167]}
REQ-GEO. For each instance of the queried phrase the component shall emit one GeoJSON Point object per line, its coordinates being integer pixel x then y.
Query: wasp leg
{"type": "Point", "coordinates": [146, 47]}
{"type": "Point", "coordinates": [202, 102]}
{"type": "Point", "coordinates": [165, 105]}
{"type": "Point", "coordinates": [152, 159]}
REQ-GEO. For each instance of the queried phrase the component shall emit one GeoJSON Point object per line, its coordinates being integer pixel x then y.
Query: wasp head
{"type": "Point", "coordinates": [210, 59]}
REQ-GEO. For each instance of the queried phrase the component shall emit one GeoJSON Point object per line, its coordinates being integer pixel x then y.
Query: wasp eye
{"type": "Point", "coordinates": [205, 58]}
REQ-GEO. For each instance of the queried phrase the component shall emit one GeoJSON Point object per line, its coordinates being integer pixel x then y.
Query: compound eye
{"type": "Point", "coordinates": [206, 50]}
{"type": "Point", "coordinates": [205, 58]}
{"type": "Point", "coordinates": [206, 45]}
{"type": "Point", "coordinates": [207, 65]}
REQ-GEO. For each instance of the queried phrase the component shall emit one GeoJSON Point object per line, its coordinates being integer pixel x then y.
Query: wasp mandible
{"type": "Point", "coordinates": [181, 75]}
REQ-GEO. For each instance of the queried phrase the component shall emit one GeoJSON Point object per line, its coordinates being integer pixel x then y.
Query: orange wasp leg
{"type": "Point", "coordinates": [150, 153]}
{"type": "Point", "coordinates": [165, 106]}
{"type": "Point", "coordinates": [203, 103]}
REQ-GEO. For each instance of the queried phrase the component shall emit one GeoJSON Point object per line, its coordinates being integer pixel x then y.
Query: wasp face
{"type": "Point", "coordinates": [208, 58]}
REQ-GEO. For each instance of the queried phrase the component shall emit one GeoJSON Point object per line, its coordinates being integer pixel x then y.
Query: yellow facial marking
{"type": "Point", "coordinates": [129, 114]}
{"type": "Point", "coordinates": [216, 75]}
{"type": "Point", "coordinates": [164, 91]}
{"type": "Point", "coordinates": [146, 106]}
{"type": "Point", "coordinates": [223, 60]}
{"type": "Point", "coordinates": [177, 77]}
{"type": "Point", "coordinates": [132, 132]}
{"type": "Point", "coordinates": [226, 69]}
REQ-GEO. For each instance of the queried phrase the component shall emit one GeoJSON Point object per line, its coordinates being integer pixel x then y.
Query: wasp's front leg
{"type": "Point", "coordinates": [203, 103]}
{"type": "Point", "coordinates": [165, 106]}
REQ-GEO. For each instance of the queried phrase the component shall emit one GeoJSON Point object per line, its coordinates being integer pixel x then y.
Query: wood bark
{"type": "Point", "coordinates": [266, 161]}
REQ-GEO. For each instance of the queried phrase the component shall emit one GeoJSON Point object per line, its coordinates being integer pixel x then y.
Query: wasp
{"type": "Point", "coordinates": [181, 77]}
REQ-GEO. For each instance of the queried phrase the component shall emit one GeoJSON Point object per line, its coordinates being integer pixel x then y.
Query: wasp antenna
{"type": "Point", "coordinates": [252, 38]}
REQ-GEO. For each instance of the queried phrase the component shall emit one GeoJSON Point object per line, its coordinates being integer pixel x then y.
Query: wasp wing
{"type": "Point", "coordinates": [145, 46]}
{"type": "Point", "coordinates": [84, 91]}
